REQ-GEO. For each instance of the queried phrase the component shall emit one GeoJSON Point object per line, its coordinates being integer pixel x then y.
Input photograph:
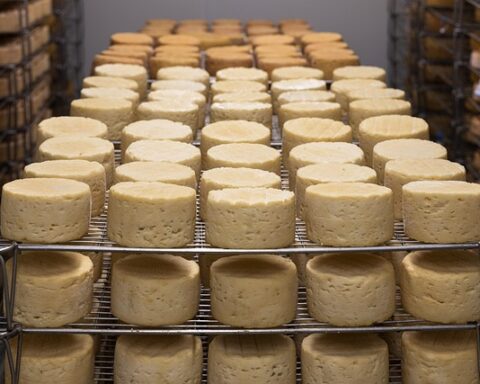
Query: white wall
{"type": "Point", "coordinates": [363, 23]}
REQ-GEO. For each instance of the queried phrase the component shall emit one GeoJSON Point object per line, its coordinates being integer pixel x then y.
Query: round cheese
{"type": "Point", "coordinates": [81, 148]}
{"type": "Point", "coordinates": [221, 178]}
{"type": "Point", "coordinates": [350, 289]}
{"type": "Point", "coordinates": [359, 72]}
{"type": "Point", "coordinates": [153, 290]}
{"type": "Point", "coordinates": [401, 172]}
{"type": "Point", "coordinates": [320, 37]}
{"type": "Point", "coordinates": [374, 130]}
{"type": "Point", "coordinates": [243, 97]}
{"type": "Point", "coordinates": [131, 38]}
{"type": "Point", "coordinates": [110, 92]}
{"type": "Point", "coordinates": [319, 109]}
{"type": "Point", "coordinates": [254, 291]}
{"type": "Point", "coordinates": [183, 112]}
{"type": "Point", "coordinates": [170, 173]}
{"type": "Point", "coordinates": [276, 48]}
{"type": "Point", "coordinates": [250, 218]}
{"type": "Point", "coordinates": [314, 153]}
{"type": "Point", "coordinates": [109, 82]}
{"type": "Point", "coordinates": [228, 86]}
{"type": "Point", "coordinates": [169, 151]}
{"type": "Point", "coordinates": [244, 155]}
{"type": "Point", "coordinates": [330, 59]}
{"type": "Point", "coordinates": [116, 113]}
{"type": "Point", "coordinates": [441, 211]}
{"type": "Point", "coordinates": [184, 73]}
{"type": "Point", "coordinates": [217, 61]}
{"type": "Point", "coordinates": [448, 356]}
{"type": "Point", "coordinates": [292, 73]}
{"type": "Point", "coordinates": [68, 126]}
{"type": "Point", "coordinates": [52, 289]}
{"type": "Point", "coordinates": [127, 71]}
{"type": "Point", "coordinates": [362, 109]}
{"type": "Point", "coordinates": [183, 85]}
{"type": "Point", "coordinates": [250, 111]}
{"type": "Point", "coordinates": [329, 173]}
{"type": "Point", "coordinates": [243, 74]}
{"type": "Point", "coordinates": [374, 93]}
{"type": "Point", "coordinates": [272, 40]}
{"type": "Point", "coordinates": [158, 358]}
{"type": "Point", "coordinates": [89, 172]}
{"type": "Point", "coordinates": [259, 359]}
{"type": "Point", "coordinates": [45, 210]}
{"type": "Point", "coordinates": [401, 149]}
{"type": "Point", "coordinates": [349, 214]}
{"type": "Point", "coordinates": [178, 39]}
{"type": "Point", "coordinates": [342, 88]}
{"type": "Point", "coordinates": [305, 96]}
{"type": "Point", "coordinates": [269, 63]}
{"type": "Point", "coordinates": [344, 358]}
{"type": "Point", "coordinates": [302, 84]}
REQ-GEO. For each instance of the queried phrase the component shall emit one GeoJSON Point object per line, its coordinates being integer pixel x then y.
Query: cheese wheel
{"type": "Point", "coordinates": [311, 129]}
{"type": "Point", "coordinates": [319, 109]}
{"type": "Point", "coordinates": [254, 291]}
{"type": "Point", "coordinates": [292, 73]}
{"type": "Point", "coordinates": [243, 74]}
{"type": "Point", "coordinates": [374, 130]}
{"type": "Point", "coordinates": [302, 84]}
{"type": "Point", "coordinates": [153, 290]}
{"type": "Point", "coordinates": [350, 289]}
{"type": "Point", "coordinates": [342, 88]}
{"type": "Point", "coordinates": [143, 359]}
{"type": "Point", "coordinates": [182, 112]}
{"type": "Point", "coordinates": [237, 217]}
{"type": "Point", "coordinates": [81, 148]}
{"type": "Point", "coordinates": [131, 48]}
{"type": "Point", "coordinates": [329, 173]}
{"type": "Point", "coordinates": [131, 38]}
{"type": "Point", "coordinates": [272, 39]}
{"type": "Point", "coordinates": [169, 151]}
{"type": "Point", "coordinates": [216, 61]}
{"type": "Point", "coordinates": [156, 129]}
{"type": "Point", "coordinates": [305, 96]}
{"type": "Point", "coordinates": [52, 288]}
{"type": "Point", "coordinates": [109, 82]}
{"type": "Point", "coordinates": [374, 93]}
{"type": "Point", "coordinates": [259, 359]}
{"type": "Point", "coordinates": [319, 46]}
{"type": "Point", "coordinates": [184, 85]}
{"type": "Point", "coordinates": [126, 71]}
{"type": "Point", "coordinates": [184, 73]}
{"type": "Point", "coordinates": [359, 72]}
{"type": "Point", "coordinates": [243, 97]}
{"type": "Point", "coordinates": [244, 155]}
{"type": "Point", "coordinates": [177, 49]}
{"type": "Point", "coordinates": [362, 109]}
{"type": "Point", "coordinates": [151, 214]}
{"type": "Point", "coordinates": [331, 59]}
{"type": "Point", "coordinates": [401, 149]}
{"type": "Point", "coordinates": [221, 178]}
{"type": "Point", "coordinates": [349, 214]}
{"type": "Point", "coordinates": [179, 39]}
{"type": "Point", "coordinates": [45, 356]}
{"type": "Point", "coordinates": [276, 48]}
{"type": "Point", "coordinates": [268, 64]}
{"type": "Point", "coordinates": [116, 113]}
{"type": "Point", "coordinates": [319, 37]}
{"type": "Point", "coordinates": [401, 172]}
{"type": "Point", "coordinates": [314, 153]}
{"type": "Point", "coordinates": [441, 211]}
{"type": "Point", "coordinates": [251, 111]}
{"type": "Point", "coordinates": [435, 357]}
{"type": "Point", "coordinates": [45, 210]}
{"type": "Point", "coordinates": [228, 86]}
{"type": "Point", "coordinates": [88, 172]}
{"type": "Point", "coordinates": [166, 60]}
{"type": "Point", "coordinates": [441, 286]}
{"type": "Point", "coordinates": [110, 92]}
{"type": "Point", "coordinates": [70, 126]}
{"type": "Point", "coordinates": [344, 358]}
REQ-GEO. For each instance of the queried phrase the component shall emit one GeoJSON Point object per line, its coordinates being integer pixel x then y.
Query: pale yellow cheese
{"type": "Point", "coordinates": [319, 109]}
{"type": "Point", "coordinates": [250, 111]}
{"type": "Point", "coordinates": [342, 88]}
{"type": "Point", "coordinates": [243, 74]}
{"type": "Point", "coordinates": [97, 259]}
{"type": "Point", "coordinates": [183, 85]}
{"type": "Point", "coordinates": [374, 93]}
{"type": "Point", "coordinates": [127, 71]}
{"type": "Point", "coordinates": [359, 72]}
{"type": "Point", "coordinates": [110, 92]}
{"type": "Point", "coordinates": [228, 86]}
{"type": "Point", "coordinates": [295, 72]}
{"type": "Point", "coordinates": [305, 96]}
{"type": "Point", "coordinates": [109, 82]}
{"type": "Point", "coordinates": [68, 126]}
{"type": "Point", "coordinates": [184, 73]}
{"type": "Point", "coordinates": [296, 85]}
{"type": "Point", "coordinates": [243, 97]}
{"type": "Point", "coordinates": [175, 110]}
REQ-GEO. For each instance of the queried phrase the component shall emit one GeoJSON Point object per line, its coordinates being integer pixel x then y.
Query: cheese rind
{"type": "Point", "coordinates": [186, 85]}
{"type": "Point", "coordinates": [109, 92]}
{"type": "Point", "coordinates": [318, 109]}
{"type": "Point", "coordinates": [349, 214]}
{"type": "Point", "coordinates": [184, 73]}
{"type": "Point", "coordinates": [292, 73]}
{"type": "Point", "coordinates": [359, 72]}
{"type": "Point", "coordinates": [243, 97]}
{"type": "Point", "coordinates": [151, 214]}
{"type": "Point", "coordinates": [441, 211]}
{"type": "Point", "coordinates": [251, 111]}
{"type": "Point", "coordinates": [375, 93]}
{"type": "Point", "coordinates": [302, 84]}
{"type": "Point", "coordinates": [153, 290]}
{"type": "Point", "coordinates": [228, 86]}
{"type": "Point", "coordinates": [341, 88]}
{"type": "Point", "coordinates": [127, 71]}
{"type": "Point", "coordinates": [250, 218]}
{"type": "Point", "coordinates": [305, 96]}
{"type": "Point", "coordinates": [109, 82]}
{"type": "Point", "coordinates": [243, 74]}
{"type": "Point", "coordinates": [175, 110]}
{"type": "Point", "coordinates": [350, 289]}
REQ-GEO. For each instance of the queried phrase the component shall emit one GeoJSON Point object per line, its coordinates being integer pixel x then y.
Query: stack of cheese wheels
{"type": "Point", "coordinates": [52, 289]}
{"type": "Point", "coordinates": [162, 171]}
{"type": "Point", "coordinates": [254, 291]}
{"type": "Point", "coordinates": [329, 173]}
{"type": "Point", "coordinates": [312, 129]}
{"type": "Point", "coordinates": [221, 178]}
{"type": "Point", "coordinates": [156, 129]}
{"type": "Point", "coordinates": [70, 126]}
{"type": "Point", "coordinates": [251, 111]}
{"type": "Point", "coordinates": [44, 356]}
{"type": "Point", "coordinates": [174, 110]}
{"type": "Point", "coordinates": [89, 172]}
{"type": "Point", "coordinates": [109, 92]}
{"type": "Point", "coordinates": [349, 214]}
{"type": "Point", "coordinates": [349, 289]}
{"type": "Point", "coordinates": [184, 73]}
{"type": "Point", "coordinates": [302, 84]}
{"type": "Point", "coordinates": [441, 211]}
{"type": "Point", "coordinates": [398, 149]}
{"type": "Point", "coordinates": [344, 358]}
{"type": "Point", "coordinates": [341, 88]}
{"type": "Point", "coordinates": [359, 72]}
{"type": "Point", "coordinates": [448, 356]}
{"type": "Point", "coordinates": [441, 286]}
{"type": "Point", "coordinates": [374, 93]}
{"type": "Point", "coordinates": [236, 218]}
{"type": "Point", "coordinates": [151, 214]}
{"type": "Point", "coordinates": [81, 148]}
{"type": "Point", "coordinates": [136, 73]}
{"type": "Point", "coordinates": [244, 155]}
{"type": "Point", "coordinates": [45, 210]}
{"type": "Point", "coordinates": [292, 73]}
{"type": "Point", "coordinates": [305, 96]}
{"type": "Point", "coordinates": [243, 74]}
{"type": "Point", "coordinates": [314, 153]}
{"type": "Point", "coordinates": [154, 359]}
{"type": "Point", "coordinates": [109, 82]}
{"type": "Point", "coordinates": [240, 359]}
{"type": "Point", "coordinates": [401, 172]}
{"type": "Point", "coordinates": [376, 129]}
{"type": "Point", "coordinates": [319, 109]}
{"type": "Point", "coordinates": [153, 290]}
{"type": "Point", "coordinates": [229, 86]}
{"type": "Point", "coordinates": [183, 85]}
{"type": "Point", "coordinates": [169, 151]}
{"type": "Point", "coordinates": [243, 97]}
